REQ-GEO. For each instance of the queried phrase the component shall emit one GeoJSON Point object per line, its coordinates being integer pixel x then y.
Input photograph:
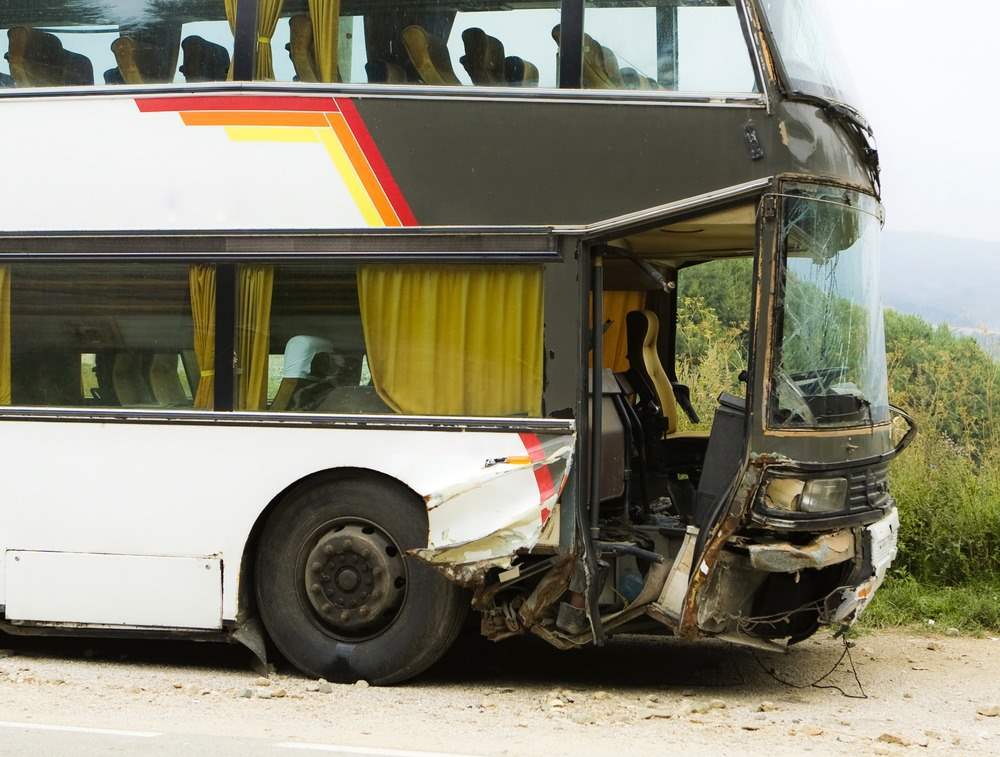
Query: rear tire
{"type": "Point", "coordinates": [337, 592]}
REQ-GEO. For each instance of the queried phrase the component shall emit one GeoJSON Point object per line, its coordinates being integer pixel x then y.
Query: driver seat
{"type": "Point", "coordinates": [659, 398]}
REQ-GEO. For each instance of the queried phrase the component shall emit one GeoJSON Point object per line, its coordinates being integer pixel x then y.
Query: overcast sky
{"type": "Point", "coordinates": [929, 77]}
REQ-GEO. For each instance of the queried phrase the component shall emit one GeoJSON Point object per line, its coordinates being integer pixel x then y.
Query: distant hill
{"type": "Point", "coordinates": [945, 280]}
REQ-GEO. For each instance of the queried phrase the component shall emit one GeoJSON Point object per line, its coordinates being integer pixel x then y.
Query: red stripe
{"type": "Point", "coordinates": [378, 164]}
{"type": "Point", "coordinates": [203, 102]}
{"type": "Point", "coordinates": [543, 476]}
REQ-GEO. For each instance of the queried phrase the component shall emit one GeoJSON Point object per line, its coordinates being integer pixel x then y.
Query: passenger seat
{"type": "Point", "coordinates": [38, 59]}
{"type": "Point", "coordinates": [484, 58]}
{"type": "Point", "coordinates": [204, 60]}
{"type": "Point", "coordinates": [634, 80]}
{"type": "Point", "coordinates": [127, 381]}
{"type": "Point", "coordinates": [429, 56]}
{"type": "Point", "coordinates": [142, 63]}
{"type": "Point", "coordinates": [520, 73]}
{"type": "Point", "coordinates": [600, 64]}
{"type": "Point", "coordinates": [166, 382]}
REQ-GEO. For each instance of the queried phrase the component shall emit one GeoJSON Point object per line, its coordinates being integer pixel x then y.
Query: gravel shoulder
{"type": "Point", "coordinates": [637, 695]}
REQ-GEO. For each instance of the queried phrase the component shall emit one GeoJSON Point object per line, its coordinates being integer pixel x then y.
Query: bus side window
{"type": "Point", "coordinates": [677, 45]}
{"type": "Point", "coordinates": [499, 46]}
{"type": "Point", "coordinates": [459, 340]}
{"type": "Point", "coordinates": [52, 43]}
{"type": "Point", "coordinates": [103, 335]}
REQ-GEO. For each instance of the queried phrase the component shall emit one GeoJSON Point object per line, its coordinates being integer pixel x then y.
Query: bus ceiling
{"type": "Point", "coordinates": [725, 233]}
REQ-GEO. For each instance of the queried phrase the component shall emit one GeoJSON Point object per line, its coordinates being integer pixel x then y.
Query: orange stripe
{"type": "Point", "coordinates": [252, 118]}
{"type": "Point", "coordinates": [364, 170]}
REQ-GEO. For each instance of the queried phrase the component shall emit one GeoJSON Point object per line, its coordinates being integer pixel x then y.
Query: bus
{"type": "Point", "coordinates": [305, 304]}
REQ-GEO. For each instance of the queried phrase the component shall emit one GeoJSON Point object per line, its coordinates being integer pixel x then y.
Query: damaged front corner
{"type": "Point", "coordinates": [484, 521]}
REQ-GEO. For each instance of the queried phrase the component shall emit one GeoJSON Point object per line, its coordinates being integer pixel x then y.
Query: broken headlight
{"type": "Point", "coordinates": [822, 495]}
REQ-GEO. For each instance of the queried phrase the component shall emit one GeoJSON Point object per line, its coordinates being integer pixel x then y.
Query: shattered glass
{"type": "Point", "coordinates": [831, 367]}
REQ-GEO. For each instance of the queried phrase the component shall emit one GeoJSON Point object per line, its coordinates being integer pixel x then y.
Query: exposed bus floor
{"type": "Point", "coordinates": [517, 697]}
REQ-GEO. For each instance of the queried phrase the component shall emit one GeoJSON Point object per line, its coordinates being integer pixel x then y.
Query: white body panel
{"type": "Point", "coordinates": [98, 163]}
{"type": "Point", "coordinates": [65, 587]}
{"type": "Point", "coordinates": [187, 490]}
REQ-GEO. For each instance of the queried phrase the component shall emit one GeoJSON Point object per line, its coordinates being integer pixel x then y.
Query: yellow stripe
{"type": "Point", "coordinates": [272, 134]}
{"type": "Point", "coordinates": [361, 198]}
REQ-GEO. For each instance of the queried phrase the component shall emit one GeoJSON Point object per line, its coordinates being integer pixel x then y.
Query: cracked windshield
{"type": "Point", "coordinates": [831, 368]}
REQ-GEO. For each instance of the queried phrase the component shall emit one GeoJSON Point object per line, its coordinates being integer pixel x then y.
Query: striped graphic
{"type": "Point", "coordinates": [333, 123]}
{"type": "Point", "coordinates": [543, 476]}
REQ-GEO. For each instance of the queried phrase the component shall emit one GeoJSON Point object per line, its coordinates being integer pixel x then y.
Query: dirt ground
{"type": "Point", "coordinates": [635, 696]}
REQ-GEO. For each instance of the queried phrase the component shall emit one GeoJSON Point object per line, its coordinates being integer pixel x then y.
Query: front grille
{"type": "Point", "coordinates": [867, 488]}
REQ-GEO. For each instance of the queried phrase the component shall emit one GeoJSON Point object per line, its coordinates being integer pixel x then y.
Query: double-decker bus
{"type": "Point", "coordinates": [304, 307]}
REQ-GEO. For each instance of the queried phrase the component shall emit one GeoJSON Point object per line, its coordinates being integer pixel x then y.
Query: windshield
{"type": "Point", "coordinates": [812, 61]}
{"type": "Point", "coordinates": [830, 369]}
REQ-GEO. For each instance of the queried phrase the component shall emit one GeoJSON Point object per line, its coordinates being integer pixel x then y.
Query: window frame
{"type": "Point", "coordinates": [208, 249]}
{"type": "Point", "coordinates": [570, 71]}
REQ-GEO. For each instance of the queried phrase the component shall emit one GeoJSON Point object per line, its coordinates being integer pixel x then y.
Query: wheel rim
{"type": "Point", "coordinates": [355, 579]}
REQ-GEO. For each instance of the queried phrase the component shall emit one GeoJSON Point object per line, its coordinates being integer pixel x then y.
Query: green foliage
{"type": "Point", "coordinates": [904, 601]}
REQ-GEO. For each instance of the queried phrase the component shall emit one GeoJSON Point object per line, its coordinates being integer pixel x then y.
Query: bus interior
{"type": "Point", "coordinates": [626, 46]}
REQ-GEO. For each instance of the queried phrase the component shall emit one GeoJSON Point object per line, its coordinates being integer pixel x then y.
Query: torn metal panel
{"type": "Point", "coordinates": [484, 520]}
{"type": "Point", "coordinates": [782, 557]}
{"type": "Point", "coordinates": [722, 530]}
{"type": "Point", "coordinates": [729, 594]}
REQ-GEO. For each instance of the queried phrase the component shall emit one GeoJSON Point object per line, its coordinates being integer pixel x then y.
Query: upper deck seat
{"type": "Point", "coordinates": [204, 60]}
{"type": "Point", "coordinates": [384, 72]}
{"type": "Point", "coordinates": [301, 48]}
{"type": "Point", "coordinates": [600, 64]}
{"type": "Point", "coordinates": [140, 62]}
{"type": "Point", "coordinates": [520, 73]}
{"type": "Point", "coordinates": [429, 57]}
{"type": "Point", "coordinates": [484, 58]}
{"type": "Point", "coordinates": [634, 80]}
{"type": "Point", "coordinates": [38, 59]}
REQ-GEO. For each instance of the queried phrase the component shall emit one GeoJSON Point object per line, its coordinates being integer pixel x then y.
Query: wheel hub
{"type": "Point", "coordinates": [355, 579]}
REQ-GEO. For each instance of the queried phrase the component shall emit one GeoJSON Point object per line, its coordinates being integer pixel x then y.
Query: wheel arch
{"type": "Point", "coordinates": [246, 603]}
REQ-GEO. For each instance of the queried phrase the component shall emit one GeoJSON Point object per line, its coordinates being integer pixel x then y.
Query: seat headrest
{"type": "Point", "coordinates": [429, 56]}
{"type": "Point", "coordinates": [204, 60]}
{"type": "Point", "coordinates": [520, 73]}
{"type": "Point", "coordinates": [302, 48]}
{"type": "Point", "coordinates": [484, 58]}
{"type": "Point", "coordinates": [38, 59]}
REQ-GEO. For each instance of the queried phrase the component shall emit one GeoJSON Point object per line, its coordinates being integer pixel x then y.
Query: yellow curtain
{"type": "Point", "coordinates": [454, 340]}
{"type": "Point", "coordinates": [202, 283]}
{"type": "Point", "coordinates": [325, 15]}
{"type": "Point", "coordinates": [268, 12]}
{"type": "Point", "coordinates": [231, 17]}
{"type": "Point", "coordinates": [5, 391]}
{"type": "Point", "coordinates": [253, 330]}
{"type": "Point", "coordinates": [617, 305]}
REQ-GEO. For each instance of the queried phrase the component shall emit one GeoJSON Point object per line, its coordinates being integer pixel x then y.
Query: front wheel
{"type": "Point", "coordinates": [337, 592]}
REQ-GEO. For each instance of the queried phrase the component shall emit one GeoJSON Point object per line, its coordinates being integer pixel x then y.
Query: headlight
{"type": "Point", "coordinates": [824, 495]}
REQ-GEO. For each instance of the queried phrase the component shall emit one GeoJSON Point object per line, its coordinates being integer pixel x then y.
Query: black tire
{"type": "Point", "coordinates": [424, 626]}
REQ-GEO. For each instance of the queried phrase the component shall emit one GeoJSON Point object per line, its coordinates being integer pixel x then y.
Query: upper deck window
{"type": "Point", "coordinates": [675, 45]}
{"type": "Point", "coordinates": [440, 43]}
{"type": "Point", "coordinates": [813, 63]}
{"type": "Point", "coordinates": [55, 43]}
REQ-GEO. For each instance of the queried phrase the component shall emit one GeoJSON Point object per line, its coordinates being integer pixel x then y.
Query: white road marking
{"type": "Point", "coordinates": [366, 750]}
{"type": "Point", "coordinates": [78, 729]}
